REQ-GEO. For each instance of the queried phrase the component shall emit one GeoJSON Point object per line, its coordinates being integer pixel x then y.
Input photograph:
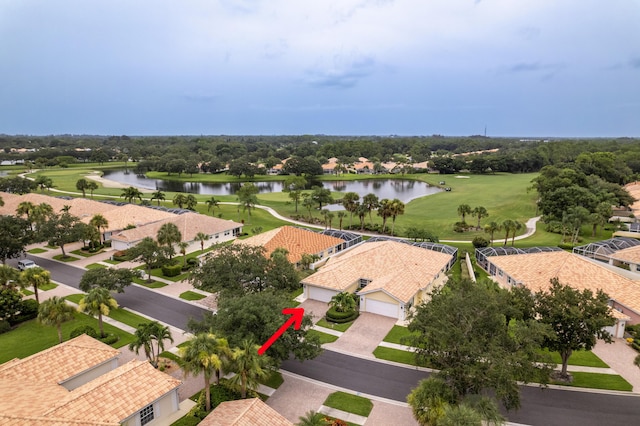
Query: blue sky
{"type": "Point", "coordinates": [342, 67]}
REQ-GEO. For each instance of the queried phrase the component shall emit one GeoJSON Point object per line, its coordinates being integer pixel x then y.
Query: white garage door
{"type": "Point", "coordinates": [321, 294]}
{"type": "Point", "coordinates": [381, 308]}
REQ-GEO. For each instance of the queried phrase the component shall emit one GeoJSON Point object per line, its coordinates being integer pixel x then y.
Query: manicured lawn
{"type": "Point", "coordinates": [337, 327]}
{"type": "Point", "coordinates": [599, 381]}
{"type": "Point", "coordinates": [395, 355]}
{"type": "Point", "coordinates": [118, 314]}
{"type": "Point", "coordinates": [75, 298]}
{"type": "Point", "coordinates": [191, 295]}
{"type": "Point", "coordinates": [112, 262]}
{"type": "Point", "coordinates": [26, 292]}
{"type": "Point", "coordinates": [324, 337]}
{"type": "Point", "coordinates": [158, 273]}
{"type": "Point", "coordinates": [66, 258]}
{"type": "Point", "coordinates": [349, 403]}
{"type": "Point", "coordinates": [96, 266]}
{"type": "Point", "coordinates": [152, 284]}
{"type": "Point", "coordinates": [396, 335]}
{"type": "Point", "coordinates": [48, 287]}
{"type": "Point", "coordinates": [83, 253]}
{"type": "Point", "coordinates": [37, 250]}
{"type": "Point", "coordinates": [581, 358]}
{"type": "Point", "coordinates": [31, 337]}
{"type": "Point", "coordinates": [274, 380]}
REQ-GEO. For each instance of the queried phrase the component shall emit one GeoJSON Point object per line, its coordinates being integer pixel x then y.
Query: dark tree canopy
{"type": "Point", "coordinates": [15, 234]}
{"type": "Point", "coordinates": [112, 279]}
{"type": "Point", "coordinates": [256, 317]}
{"type": "Point", "coordinates": [464, 333]}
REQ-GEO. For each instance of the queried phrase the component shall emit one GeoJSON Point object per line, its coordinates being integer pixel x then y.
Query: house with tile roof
{"type": "Point", "coordinates": [245, 412]}
{"type": "Point", "coordinates": [79, 382]}
{"type": "Point", "coordinates": [297, 241]}
{"type": "Point", "coordinates": [535, 271]}
{"type": "Point", "coordinates": [189, 225]}
{"type": "Point", "coordinates": [389, 276]}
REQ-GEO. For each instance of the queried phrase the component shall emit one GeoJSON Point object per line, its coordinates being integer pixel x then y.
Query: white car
{"type": "Point", "coordinates": [26, 264]}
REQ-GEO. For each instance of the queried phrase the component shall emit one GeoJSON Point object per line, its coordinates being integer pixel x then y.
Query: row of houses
{"type": "Point", "coordinates": [362, 166]}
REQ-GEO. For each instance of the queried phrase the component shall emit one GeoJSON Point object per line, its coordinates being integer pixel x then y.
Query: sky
{"type": "Point", "coordinates": [564, 68]}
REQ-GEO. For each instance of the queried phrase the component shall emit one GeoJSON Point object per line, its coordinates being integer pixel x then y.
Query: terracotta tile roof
{"type": "Point", "coordinates": [297, 241]}
{"type": "Point", "coordinates": [629, 255]}
{"type": "Point", "coordinates": [80, 207]}
{"type": "Point", "coordinates": [535, 270]}
{"type": "Point", "coordinates": [245, 412]}
{"type": "Point", "coordinates": [116, 395]}
{"type": "Point", "coordinates": [24, 397]}
{"type": "Point", "coordinates": [634, 190]}
{"type": "Point", "coordinates": [189, 225]}
{"type": "Point", "coordinates": [397, 269]}
{"type": "Point", "coordinates": [60, 362]}
{"type": "Point", "coordinates": [119, 217]}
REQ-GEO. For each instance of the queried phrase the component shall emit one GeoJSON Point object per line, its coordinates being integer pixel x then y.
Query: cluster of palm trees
{"type": "Point", "coordinates": [510, 228]}
{"type": "Point", "coordinates": [478, 212]}
{"type": "Point", "coordinates": [385, 209]}
{"type": "Point", "coordinates": [85, 185]}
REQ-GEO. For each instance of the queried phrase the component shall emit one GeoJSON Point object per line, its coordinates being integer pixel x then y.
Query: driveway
{"type": "Point", "coordinates": [364, 335]}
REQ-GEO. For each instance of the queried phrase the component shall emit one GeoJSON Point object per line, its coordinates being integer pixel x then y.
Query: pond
{"type": "Point", "coordinates": [402, 189]}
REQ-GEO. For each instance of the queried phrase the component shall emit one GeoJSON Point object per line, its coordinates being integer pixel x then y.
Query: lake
{"type": "Point", "coordinates": [402, 189]}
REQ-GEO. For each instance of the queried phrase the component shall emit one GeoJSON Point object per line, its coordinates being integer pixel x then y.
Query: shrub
{"type": "Point", "coordinates": [171, 270]}
{"type": "Point", "coordinates": [121, 256]}
{"type": "Point", "coordinates": [193, 261]}
{"type": "Point", "coordinates": [460, 226]}
{"type": "Point", "coordinates": [340, 317]}
{"type": "Point", "coordinates": [109, 339]}
{"type": "Point", "coordinates": [84, 329]}
{"type": "Point", "coordinates": [4, 326]}
{"type": "Point", "coordinates": [479, 242]}
{"type": "Point", "coordinates": [28, 311]}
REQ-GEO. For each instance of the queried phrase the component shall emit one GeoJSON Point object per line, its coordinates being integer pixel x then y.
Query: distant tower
{"type": "Point", "coordinates": [485, 130]}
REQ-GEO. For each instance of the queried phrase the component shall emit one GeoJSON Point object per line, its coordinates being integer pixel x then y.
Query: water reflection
{"type": "Point", "coordinates": [404, 190]}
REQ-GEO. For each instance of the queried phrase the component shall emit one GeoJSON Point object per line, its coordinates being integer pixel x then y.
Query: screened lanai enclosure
{"type": "Point", "coordinates": [442, 248]}
{"type": "Point", "coordinates": [483, 253]}
{"type": "Point", "coordinates": [603, 250]}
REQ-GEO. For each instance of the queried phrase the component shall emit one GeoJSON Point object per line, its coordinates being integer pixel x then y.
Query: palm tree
{"type": "Point", "coordinates": [350, 203]}
{"type": "Point", "coordinates": [343, 302]}
{"type": "Point", "coordinates": [361, 211]}
{"type": "Point", "coordinates": [180, 200]}
{"type": "Point", "coordinates": [8, 276]}
{"type": "Point", "coordinates": [158, 195]}
{"type": "Point", "coordinates": [370, 201]}
{"type": "Point", "coordinates": [36, 278]}
{"type": "Point", "coordinates": [168, 235]}
{"type": "Point", "coordinates": [248, 366]}
{"type": "Point", "coordinates": [148, 333]}
{"type": "Point", "coordinates": [182, 245]}
{"type": "Point", "coordinates": [397, 209]}
{"type": "Point", "coordinates": [99, 222]}
{"type": "Point", "coordinates": [516, 227]}
{"type": "Point", "coordinates": [212, 203]}
{"type": "Point", "coordinates": [247, 197]}
{"type": "Point", "coordinates": [309, 204]}
{"type": "Point", "coordinates": [26, 208]}
{"type": "Point", "coordinates": [491, 229]}
{"type": "Point", "coordinates": [325, 214]}
{"type": "Point", "coordinates": [191, 202]}
{"type": "Point", "coordinates": [82, 185]}
{"type": "Point", "coordinates": [384, 211]}
{"type": "Point", "coordinates": [92, 186]}
{"type": "Point", "coordinates": [341, 215]}
{"type": "Point", "coordinates": [313, 418]}
{"type": "Point", "coordinates": [130, 193]}
{"type": "Point", "coordinates": [65, 208]}
{"type": "Point", "coordinates": [41, 213]}
{"type": "Point", "coordinates": [480, 212]}
{"type": "Point", "coordinates": [464, 210]}
{"type": "Point", "coordinates": [508, 226]}
{"type": "Point", "coordinates": [205, 353]}
{"type": "Point", "coordinates": [98, 302]}
{"type": "Point", "coordinates": [202, 237]}
{"type": "Point", "coordinates": [55, 312]}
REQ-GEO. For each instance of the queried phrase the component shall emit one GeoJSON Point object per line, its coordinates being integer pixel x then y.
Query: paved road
{"type": "Point", "coordinates": [167, 309]}
{"type": "Point", "coordinates": [539, 407]}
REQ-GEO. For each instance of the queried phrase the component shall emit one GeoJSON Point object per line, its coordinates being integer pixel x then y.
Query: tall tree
{"type": "Point", "coordinates": [145, 336]}
{"type": "Point", "coordinates": [464, 210]}
{"type": "Point", "coordinates": [131, 193]}
{"type": "Point", "coordinates": [480, 212]}
{"type": "Point", "coordinates": [159, 196]}
{"type": "Point", "coordinates": [148, 252]}
{"type": "Point", "coordinates": [247, 197]}
{"type": "Point", "coordinates": [397, 209]}
{"type": "Point", "coordinates": [35, 277]}
{"type": "Point", "coordinates": [82, 185]}
{"type": "Point", "coordinates": [15, 234]}
{"type": "Point", "coordinates": [27, 209]}
{"type": "Point", "coordinates": [487, 353]}
{"type": "Point", "coordinates": [179, 200]}
{"type": "Point", "coordinates": [98, 302]}
{"type": "Point", "coordinates": [200, 354]}
{"type": "Point", "coordinates": [92, 186]}
{"type": "Point", "coordinates": [385, 209]}
{"type": "Point", "coordinates": [168, 235]}
{"type": "Point", "coordinates": [350, 203]}
{"type": "Point", "coordinates": [491, 228]}
{"type": "Point", "coordinates": [212, 203]}
{"type": "Point", "coordinates": [517, 226]}
{"type": "Point", "coordinates": [112, 279]}
{"type": "Point", "coordinates": [249, 367]}
{"type": "Point", "coordinates": [55, 312]}
{"type": "Point", "coordinates": [294, 186]}
{"type": "Point", "coordinates": [62, 229]}
{"type": "Point", "coordinates": [321, 196]}
{"type": "Point", "coordinates": [191, 202]}
{"type": "Point", "coordinates": [509, 226]}
{"type": "Point", "coordinates": [100, 223]}
{"type": "Point", "coordinates": [202, 237]}
{"type": "Point", "coordinates": [576, 318]}
{"type": "Point", "coordinates": [308, 203]}
{"type": "Point", "coordinates": [371, 202]}
{"type": "Point", "coordinates": [341, 215]}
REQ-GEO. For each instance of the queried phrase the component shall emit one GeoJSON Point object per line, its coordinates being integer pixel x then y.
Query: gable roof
{"type": "Point", "coordinates": [80, 207]}
{"type": "Point", "coordinates": [535, 270]}
{"type": "Point", "coordinates": [629, 255]}
{"type": "Point", "coordinates": [297, 241]}
{"type": "Point", "coordinates": [245, 412]}
{"type": "Point", "coordinates": [398, 269]}
{"type": "Point", "coordinates": [130, 214]}
{"type": "Point", "coordinates": [189, 225]}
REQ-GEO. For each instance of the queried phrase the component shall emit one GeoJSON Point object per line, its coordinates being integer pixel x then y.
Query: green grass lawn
{"type": "Point", "coordinates": [191, 295]}
{"type": "Point", "coordinates": [26, 292]}
{"type": "Point", "coordinates": [152, 284]}
{"type": "Point", "coordinates": [274, 380]}
{"type": "Point", "coordinates": [111, 262]}
{"type": "Point", "coordinates": [337, 327]}
{"type": "Point", "coordinates": [599, 381]}
{"type": "Point", "coordinates": [66, 258]}
{"type": "Point", "coordinates": [581, 358]}
{"type": "Point", "coordinates": [395, 355]}
{"type": "Point", "coordinates": [83, 253]}
{"type": "Point", "coordinates": [396, 335]}
{"type": "Point", "coordinates": [48, 287]}
{"type": "Point", "coordinates": [323, 337]}
{"type": "Point", "coordinates": [31, 337]}
{"type": "Point", "coordinates": [96, 266]}
{"type": "Point", "coordinates": [37, 250]}
{"type": "Point", "coordinates": [349, 403]}
{"type": "Point", "coordinates": [118, 314]}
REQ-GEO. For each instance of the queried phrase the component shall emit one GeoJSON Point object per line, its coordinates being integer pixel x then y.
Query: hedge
{"type": "Point", "coordinates": [84, 329]}
{"type": "Point", "coordinates": [340, 317]}
{"type": "Point", "coordinates": [4, 326]}
{"type": "Point", "coordinates": [171, 270]}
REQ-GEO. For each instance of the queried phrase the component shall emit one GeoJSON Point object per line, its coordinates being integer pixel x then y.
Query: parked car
{"type": "Point", "coordinates": [26, 264]}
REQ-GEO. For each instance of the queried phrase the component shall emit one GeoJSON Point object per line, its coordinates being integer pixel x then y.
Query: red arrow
{"type": "Point", "coordinates": [295, 319]}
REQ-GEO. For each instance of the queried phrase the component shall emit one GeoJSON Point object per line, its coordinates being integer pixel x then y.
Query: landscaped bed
{"type": "Point", "coordinates": [67, 258]}
{"type": "Point", "coordinates": [119, 314]}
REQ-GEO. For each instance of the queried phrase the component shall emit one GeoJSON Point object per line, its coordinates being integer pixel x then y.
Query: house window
{"type": "Point", "coordinates": [362, 283]}
{"type": "Point", "coordinates": [146, 414]}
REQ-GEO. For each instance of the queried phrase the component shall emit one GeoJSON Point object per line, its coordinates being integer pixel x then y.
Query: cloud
{"type": "Point", "coordinates": [342, 75]}
{"type": "Point", "coordinates": [548, 71]}
{"type": "Point", "coordinates": [634, 63]}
